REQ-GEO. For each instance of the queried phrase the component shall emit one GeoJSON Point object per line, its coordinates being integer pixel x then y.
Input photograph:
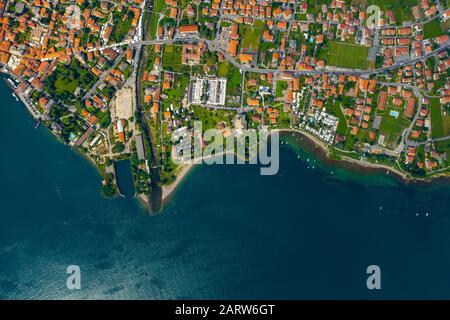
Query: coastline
{"type": "Point", "coordinates": [168, 190]}
{"type": "Point", "coordinates": [182, 172]}
{"type": "Point", "coordinates": [143, 199]}
{"type": "Point", "coordinates": [322, 151]}
{"type": "Point", "coordinates": [353, 164]}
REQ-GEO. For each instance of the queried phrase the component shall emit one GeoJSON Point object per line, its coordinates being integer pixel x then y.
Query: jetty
{"type": "Point", "coordinates": [36, 114]}
{"type": "Point", "coordinates": [26, 101]}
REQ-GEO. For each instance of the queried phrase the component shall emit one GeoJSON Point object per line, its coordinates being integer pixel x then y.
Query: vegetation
{"type": "Point", "coordinates": [171, 59]}
{"type": "Point", "coordinates": [334, 108]}
{"type": "Point", "coordinates": [432, 29]}
{"type": "Point", "coordinates": [109, 188]}
{"type": "Point", "coordinates": [439, 128]}
{"type": "Point", "coordinates": [346, 55]}
{"type": "Point", "coordinates": [64, 81]}
{"type": "Point", "coordinates": [121, 27]}
{"type": "Point", "coordinates": [252, 35]}
{"type": "Point", "coordinates": [392, 129]}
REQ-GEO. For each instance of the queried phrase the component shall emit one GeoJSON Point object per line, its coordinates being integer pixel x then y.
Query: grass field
{"type": "Point", "coordinates": [222, 68]}
{"type": "Point", "coordinates": [392, 128]}
{"type": "Point", "coordinates": [401, 8]}
{"type": "Point", "coordinates": [347, 55]}
{"type": "Point", "coordinates": [252, 35]}
{"type": "Point", "coordinates": [440, 124]}
{"type": "Point", "coordinates": [281, 86]}
{"type": "Point", "coordinates": [158, 7]}
{"type": "Point", "coordinates": [171, 59]}
{"type": "Point", "coordinates": [121, 29]}
{"type": "Point", "coordinates": [432, 29]}
{"type": "Point", "coordinates": [211, 118]}
{"type": "Point", "coordinates": [64, 80]}
{"type": "Point", "coordinates": [334, 108]}
{"type": "Point", "coordinates": [234, 81]}
{"type": "Point", "coordinates": [387, 4]}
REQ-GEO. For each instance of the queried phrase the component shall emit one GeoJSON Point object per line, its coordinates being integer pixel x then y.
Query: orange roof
{"type": "Point", "coordinates": [155, 107]}
{"type": "Point", "coordinates": [253, 102]}
{"type": "Point", "coordinates": [246, 57]}
{"type": "Point", "coordinates": [233, 47]}
{"type": "Point", "coordinates": [189, 28]}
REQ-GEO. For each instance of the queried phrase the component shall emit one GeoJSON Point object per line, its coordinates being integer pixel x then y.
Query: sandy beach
{"type": "Point", "coordinates": [181, 173]}
{"type": "Point", "coordinates": [145, 200]}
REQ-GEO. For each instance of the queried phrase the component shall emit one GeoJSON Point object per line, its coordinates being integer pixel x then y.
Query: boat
{"type": "Point", "coordinates": [10, 83]}
{"type": "Point", "coordinates": [14, 95]}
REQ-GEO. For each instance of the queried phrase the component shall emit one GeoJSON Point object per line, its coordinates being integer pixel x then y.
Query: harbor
{"type": "Point", "coordinates": [24, 99]}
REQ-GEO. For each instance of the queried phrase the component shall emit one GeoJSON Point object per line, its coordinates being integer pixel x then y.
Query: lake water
{"type": "Point", "coordinates": [308, 232]}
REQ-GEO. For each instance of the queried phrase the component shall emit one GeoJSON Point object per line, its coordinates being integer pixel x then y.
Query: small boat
{"type": "Point", "coordinates": [11, 83]}
{"type": "Point", "coordinates": [14, 95]}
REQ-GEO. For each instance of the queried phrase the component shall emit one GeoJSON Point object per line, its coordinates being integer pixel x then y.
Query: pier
{"type": "Point", "coordinates": [36, 114]}
{"type": "Point", "coordinates": [26, 101]}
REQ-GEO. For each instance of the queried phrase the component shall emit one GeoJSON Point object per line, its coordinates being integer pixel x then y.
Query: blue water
{"type": "Point", "coordinates": [309, 232]}
{"type": "Point", "coordinates": [125, 178]}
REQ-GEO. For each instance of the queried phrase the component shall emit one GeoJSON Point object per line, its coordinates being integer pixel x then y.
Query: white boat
{"type": "Point", "coordinates": [11, 82]}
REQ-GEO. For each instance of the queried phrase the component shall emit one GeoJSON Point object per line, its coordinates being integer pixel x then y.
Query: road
{"type": "Point", "coordinates": [212, 45]}
{"type": "Point", "coordinates": [102, 77]}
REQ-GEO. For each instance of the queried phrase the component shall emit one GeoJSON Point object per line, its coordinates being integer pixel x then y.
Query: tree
{"type": "Point", "coordinates": [119, 147]}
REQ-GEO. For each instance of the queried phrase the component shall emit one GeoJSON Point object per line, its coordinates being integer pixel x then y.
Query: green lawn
{"type": "Point", "coordinates": [252, 35]}
{"type": "Point", "coordinates": [121, 29]}
{"type": "Point", "coordinates": [334, 108]}
{"type": "Point", "coordinates": [171, 59]}
{"type": "Point", "coordinates": [65, 79]}
{"type": "Point", "coordinates": [234, 81]}
{"type": "Point", "coordinates": [347, 55]}
{"type": "Point", "coordinates": [392, 128]}
{"type": "Point", "coordinates": [401, 8]}
{"type": "Point", "coordinates": [211, 118]}
{"type": "Point", "coordinates": [222, 68]}
{"type": "Point", "coordinates": [175, 94]}
{"type": "Point", "coordinates": [443, 146]}
{"type": "Point", "coordinates": [63, 84]}
{"type": "Point", "coordinates": [432, 29]}
{"type": "Point", "coordinates": [281, 86]}
{"type": "Point", "coordinates": [158, 7]}
{"type": "Point", "coordinates": [440, 124]}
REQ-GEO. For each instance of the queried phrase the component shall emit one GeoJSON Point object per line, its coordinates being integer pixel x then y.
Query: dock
{"type": "Point", "coordinates": [34, 112]}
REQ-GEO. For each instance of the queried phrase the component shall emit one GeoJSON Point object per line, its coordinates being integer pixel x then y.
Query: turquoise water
{"type": "Point", "coordinates": [309, 232]}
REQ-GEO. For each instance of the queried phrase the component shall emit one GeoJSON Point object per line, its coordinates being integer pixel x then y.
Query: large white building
{"type": "Point", "coordinates": [208, 91]}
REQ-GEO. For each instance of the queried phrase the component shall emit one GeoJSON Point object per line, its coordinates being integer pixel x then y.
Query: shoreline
{"type": "Point", "coordinates": [168, 190]}
{"type": "Point", "coordinates": [362, 164]}
{"type": "Point", "coordinates": [324, 154]}
{"type": "Point", "coordinates": [355, 164]}
{"type": "Point", "coordinates": [322, 151]}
